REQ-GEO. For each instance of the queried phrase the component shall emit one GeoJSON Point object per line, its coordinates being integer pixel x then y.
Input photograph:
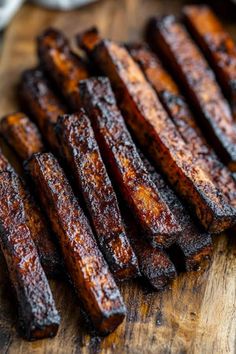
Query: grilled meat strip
{"type": "Point", "coordinates": [121, 157]}
{"type": "Point", "coordinates": [62, 65]}
{"type": "Point", "coordinates": [40, 233]}
{"type": "Point", "coordinates": [82, 154]}
{"type": "Point", "coordinates": [169, 37]}
{"type": "Point", "coordinates": [155, 131]}
{"type": "Point", "coordinates": [38, 315]}
{"type": "Point", "coordinates": [216, 43]}
{"type": "Point", "coordinates": [86, 266]}
{"type": "Point", "coordinates": [177, 108]}
{"type": "Point", "coordinates": [41, 102]}
{"type": "Point", "coordinates": [21, 134]}
{"type": "Point", "coordinates": [194, 243]}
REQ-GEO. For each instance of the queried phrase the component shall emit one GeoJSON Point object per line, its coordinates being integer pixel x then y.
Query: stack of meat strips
{"type": "Point", "coordinates": [128, 173]}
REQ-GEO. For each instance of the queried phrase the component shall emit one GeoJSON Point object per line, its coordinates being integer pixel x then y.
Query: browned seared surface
{"type": "Point", "coordinates": [216, 43]}
{"type": "Point", "coordinates": [158, 135]}
{"type": "Point", "coordinates": [21, 134]}
{"type": "Point", "coordinates": [178, 109]}
{"type": "Point", "coordinates": [40, 233]}
{"type": "Point", "coordinates": [194, 243]}
{"type": "Point", "coordinates": [85, 264]}
{"type": "Point", "coordinates": [125, 165]}
{"type": "Point", "coordinates": [155, 265]}
{"type": "Point", "coordinates": [39, 99]}
{"type": "Point", "coordinates": [37, 312]}
{"type": "Point", "coordinates": [63, 66]}
{"type": "Point", "coordinates": [83, 157]}
{"type": "Point", "coordinates": [168, 36]}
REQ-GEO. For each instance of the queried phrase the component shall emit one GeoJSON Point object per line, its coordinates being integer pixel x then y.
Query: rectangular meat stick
{"type": "Point", "coordinates": [155, 131]}
{"type": "Point", "coordinates": [40, 233]}
{"type": "Point", "coordinates": [169, 37]}
{"type": "Point", "coordinates": [43, 105]}
{"type": "Point", "coordinates": [178, 109]}
{"type": "Point", "coordinates": [37, 312]}
{"type": "Point", "coordinates": [62, 65]}
{"type": "Point", "coordinates": [122, 159]}
{"type": "Point", "coordinates": [86, 266]}
{"type": "Point", "coordinates": [83, 157]}
{"type": "Point", "coordinates": [21, 134]}
{"type": "Point", "coordinates": [216, 43]}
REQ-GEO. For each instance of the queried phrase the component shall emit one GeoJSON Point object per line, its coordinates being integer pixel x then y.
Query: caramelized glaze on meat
{"type": "Point", "coordinates": [21, 134]}
{"type": "Point", "coordinates": [39, 99]}
{"type": "Point", "coordinates": [216, 43]}
{"type": "Point", "coordinates": [64, 67]}
{"type": "Point", "coordinates": [83, 157]}
{"type": "Point", "coordinates": [85, 264]}
{"type": "Point", "coordinates": [37, 312]}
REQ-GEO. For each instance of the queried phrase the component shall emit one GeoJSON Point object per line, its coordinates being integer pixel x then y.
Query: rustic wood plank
{"type": "Point", "coordinates": [197, 315]}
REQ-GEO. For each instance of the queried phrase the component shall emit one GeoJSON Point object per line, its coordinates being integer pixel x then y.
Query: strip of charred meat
{"type": "Point", "coordinates": [82, 154]}
{"type": "Point", "coordinates": [216, 43]}
{"type": "Point", "coordinates": [63, 66]}
{"type": "Point", "coordinates": [86, 266]}
{"type": "Point", "coordinates": [48, 253]}
{"type": "Point", "coordinates": [21, 134]}
{"type": "Point", "coordinates": [38, 315]}
{"type": "Point", "coordinates": [169, 37]}
{"type": "Point", "coordinates": [194, 243]}
{"type": "Point", "coordinates": [156, 132]}
{"type": "Point", "coordinates": [178, 110]}
{"type": "Point", "coordinates": [123, 161]}
{"type": "Point", "coordinates": [41, 102]}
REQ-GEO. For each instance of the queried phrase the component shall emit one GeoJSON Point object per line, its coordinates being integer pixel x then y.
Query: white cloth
{"type": "Point", "coordinates": [8, 8]}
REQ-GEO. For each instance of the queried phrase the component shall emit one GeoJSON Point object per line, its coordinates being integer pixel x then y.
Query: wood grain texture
{"type": "Point", "coordinates": [198, 314]}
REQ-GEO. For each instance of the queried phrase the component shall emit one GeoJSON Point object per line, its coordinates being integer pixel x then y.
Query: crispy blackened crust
{"type": "Point", "coordinates": [64, 67]}
{"type": "Point", "coordinates": [82, 155]}
{"type": "Point", "coordinates": [40, 233]}
{"type": "Point", "coordinates": [154, 264]}
{"type": "Point", "coordinates": [171, 39]}
{"type": "Point", "coordinates": [125, 165]}
{"type": "Point", "coordinates": [178, 110]}
{"type": "Point", "coordinates": [38, 315]}
{"type": "Point", "coordinates": [43, 105]}
{"type": "Point", "coordinates": [85, 264]}
{"type": "Point", "coordinates": [194, 243]}
{"type": "Point", "coordinates": [216, 43]}
{"type": "Point", "coordinates": [21, 134]}
{"type": "Point", "coordinates": [158, 135]}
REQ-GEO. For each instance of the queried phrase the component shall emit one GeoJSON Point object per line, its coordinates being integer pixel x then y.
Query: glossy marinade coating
{"type": "Point", "coordinates": [64, 67]}
{"type": "Point", "coordinates": [179, 111]}
{"type": "Point", "coordinates": [21, 134]}
{"type": "Point", "coordinates": [86, 266]}
{"type": "Point", "coordinates": [43, 105]}
{"type": "Point", "coordinates": [194, 243]}
{"type": "Point", "coordinates": [169, 37]}
{"type": "Point", "coordinates": [83, 157]}
{"type": "Point", "coordinates": [40, 232]}
{"type": "Point", "coordinates": [156, 132]}
{"type": "Point", "coordinates": [122, 159]}
{"type": "Point", "coordinates": [154, 264]}
{"type": "Point", "coordinates": [216, 43]}
{"type": "Point", "coordinates": [37, 312]}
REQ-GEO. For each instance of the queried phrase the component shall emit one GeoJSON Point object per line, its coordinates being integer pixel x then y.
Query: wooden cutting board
{"type": "Point", "coordinates": [198, 313]}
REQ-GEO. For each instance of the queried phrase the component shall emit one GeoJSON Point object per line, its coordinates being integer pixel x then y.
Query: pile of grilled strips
{"type": "Point", "coordinates": [121, 179]}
